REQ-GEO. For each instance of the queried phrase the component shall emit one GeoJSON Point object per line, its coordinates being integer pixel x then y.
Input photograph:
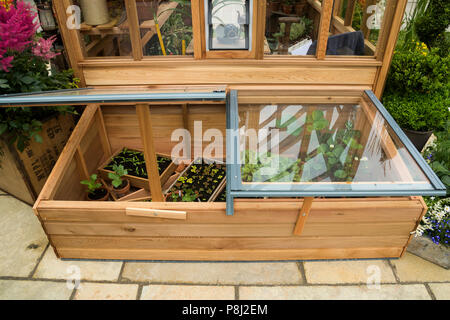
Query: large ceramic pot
{"type": "Point", "coordinates": [95, 12]}
{"type": "Point", "coordinates": [418, 138]}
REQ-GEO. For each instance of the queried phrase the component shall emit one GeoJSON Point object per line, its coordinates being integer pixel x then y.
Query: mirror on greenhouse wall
{"type": "Point", "coordinates": [103, 27]}
{"type": "Point", "coordinates": [355, 27]}
{"type": "Point", "coordinates": [165, 27]}
{"type": "Point", "coordinates": [292, 27]}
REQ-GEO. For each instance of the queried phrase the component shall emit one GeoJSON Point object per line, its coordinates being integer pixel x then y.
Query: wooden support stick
{"type": "Point", "coordinates": [349, 12]}
{"type": "Point", "coordinates": [303, 215]}
{"type": "Point", "coordinates": [145, 125]}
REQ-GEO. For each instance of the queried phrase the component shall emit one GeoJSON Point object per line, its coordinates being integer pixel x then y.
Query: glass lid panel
{"type": "Point", "coordinates": [91, 95]}
{"type": "Point", "coordinates": [324, 147]}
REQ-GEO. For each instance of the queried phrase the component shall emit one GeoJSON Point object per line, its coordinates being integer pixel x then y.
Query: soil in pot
{"type": "Point", "coordinates": [200, 178]}
{"type": "Point", "coordinates": [134, 162]}
{"type": "Point", "coordinates": [98, 195]}
{"type": "Point", "coordinates": [418, 138]}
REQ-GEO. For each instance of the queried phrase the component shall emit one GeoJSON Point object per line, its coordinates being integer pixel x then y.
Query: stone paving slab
{"type": "Point", "coordinates": [213, 273]}
{"type": "Point", "coordinates": [337, 272]}
{"type": "Point", "coordinates": [33, 290]}
{"type": "Point", "coordinates": [441, 290]}
{"type": "Point", "coordinates": [106, 291]}
{"type": "Point", "coordinates": [22, 239]}
{"type": "Point", "coordinates": [187, 292]}
{"type": "Point", "coordinates": [53, 268]}
{"type": "Point", "coordinates": [411, 268]}
{"type": "Point", "coordinates": [395, 292]}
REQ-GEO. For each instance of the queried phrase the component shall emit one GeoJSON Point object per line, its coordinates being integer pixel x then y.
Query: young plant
{"type": "Point", "coordinates": [116, 176]}
{"type": "Point", "coordinates": [92, 184]}
{"type": "Point", "coordinates": [189, 196]}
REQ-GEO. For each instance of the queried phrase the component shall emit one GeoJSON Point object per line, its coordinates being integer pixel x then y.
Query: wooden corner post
{"type": "Point", "coordinates": [145, 125]}
{"type": "Point", "coordinates": [303, 215]}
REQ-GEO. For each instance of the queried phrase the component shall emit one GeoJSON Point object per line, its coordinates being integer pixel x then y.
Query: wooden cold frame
{"type": "Point", "coordinates": [330, 228]}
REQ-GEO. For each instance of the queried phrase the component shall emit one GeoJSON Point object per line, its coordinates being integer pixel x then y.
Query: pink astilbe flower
{"type": "Point", "coordinates": [17, 29]}
{"type": "Point", "coordinates": [43, 48]}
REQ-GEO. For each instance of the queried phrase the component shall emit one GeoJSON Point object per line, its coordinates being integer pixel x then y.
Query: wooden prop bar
{"type": "Point", "coordinates": [303, 216]}
{"type": "Point", "coordinates": [145, 124]}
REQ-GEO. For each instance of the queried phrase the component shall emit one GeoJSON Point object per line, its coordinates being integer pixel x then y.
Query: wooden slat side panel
{"type": "Point", "coordinates": [245, 212]}
{"type": "Point", "coordinates": [99, 242]}
{"type": "Point", "coordinates": [230, 255]}
{"type": "Point", "coordinates": [228, 230]}
{"type": "Point", "coordinates": [123, 130]}
{"type": "Point", "coordinates": [91, 148]}
{"type": "Point", "coordinates": [195, 73]}
{"type": "Point", "coordinates": [70, 187]}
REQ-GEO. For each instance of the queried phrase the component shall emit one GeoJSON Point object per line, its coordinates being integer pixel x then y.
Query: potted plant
{"type": "Point", "coordinates": [417, 92]}
{"type": "Point", "coordinates": [273, 5]}
{"type": "Point", "coordinates": [120, 186]}
{"type": "Point", "coordinates": [300, 7]}
{"type": "Point", "coordinates": [95, 12]}
{"type": "Point", "coordinates": [95, 190]}
{"type": "Point", "coordinates": [287, 6]}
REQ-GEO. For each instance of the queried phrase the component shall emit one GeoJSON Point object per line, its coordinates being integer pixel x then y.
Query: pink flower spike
{"type": "Point", "coordinates": [43, 48]}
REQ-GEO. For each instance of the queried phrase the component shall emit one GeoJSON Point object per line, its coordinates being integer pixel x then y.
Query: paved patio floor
{"type": "Point", "coordinates": [29, 269]}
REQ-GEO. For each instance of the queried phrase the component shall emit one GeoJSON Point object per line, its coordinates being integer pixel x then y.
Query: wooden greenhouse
{"type": "Point", "coordinates": [270, 118]}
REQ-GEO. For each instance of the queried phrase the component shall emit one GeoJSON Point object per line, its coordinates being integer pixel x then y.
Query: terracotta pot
{"type": "Point", "coordinates": [274, 6]}
{"type": "Point", "coordinates": [105, 197]}
{"type": "Point", "coordinates": [287, 8]}
{"type": "Point", "coordinates": [418, 138]}
{"type": "Point", "coordinates": [299, 8]}
{"type": "Point", "coordinates": [123, 191]}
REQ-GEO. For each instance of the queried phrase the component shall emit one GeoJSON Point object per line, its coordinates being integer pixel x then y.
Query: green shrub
{"type": "Point", "coordinates": [420, 70]}
{"type": "Point", "coordinates": [418, 111]}
{"type": "Point", "coordinates": [433, 23]}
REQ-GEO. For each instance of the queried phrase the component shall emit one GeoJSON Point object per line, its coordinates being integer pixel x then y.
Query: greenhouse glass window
{"type": "Point", "coordinates": [228, 24]}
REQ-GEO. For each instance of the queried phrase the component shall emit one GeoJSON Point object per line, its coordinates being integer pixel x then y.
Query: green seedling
{"type": "Point", "coordinates": [116, 176]}
{"type": "Point", "coordinates": [92, 184]}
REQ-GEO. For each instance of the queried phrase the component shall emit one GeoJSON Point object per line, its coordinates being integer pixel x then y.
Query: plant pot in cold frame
{"type": "Point", "coordinates": [99, 195]}
{"type": "Point", "coordinates": [123, 189]}
{"type": "Point", "coordinates": [418, 138]}
{"type": "Point", "coordinates": [287, 8]}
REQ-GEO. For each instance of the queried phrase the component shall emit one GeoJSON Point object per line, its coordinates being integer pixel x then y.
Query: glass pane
{"type": "Point", "coordinates": [229, 24]}
{"type": "Point", "coordinates": [355, 27]}
{"type": "Point", "coordinates": [174, 19]}
{"type": "Point", "coordinates": [104, 28]}
{"type": "Point", "coordinates": [89, 95]}
{"type": "Point", "coordinates": [292, 27]}
{"type": "Point", "coordinates": [324, 145]}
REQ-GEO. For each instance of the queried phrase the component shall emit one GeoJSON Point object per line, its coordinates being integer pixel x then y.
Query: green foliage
{"type": "Point", "coordinates": [28, 74]}
{"type": "Point", "coordinates": [299, 30]}
{"type": "Point", "coordinates": [421, 71]}
{"type": "Point", "coordinates": [116, 176]}
{"type": "Point", "coordinates": [438, 156]}
{"type": "Point", "coordinates": [408, 37]}
{"type": "Point", "coordinates": [92, 184]}
{"type": "Point", "coordinates": [189, 196]}
{"type": "Point", "coordinates": [432, 24]}
{"type": "Point", "coordinates": [418, 111]}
